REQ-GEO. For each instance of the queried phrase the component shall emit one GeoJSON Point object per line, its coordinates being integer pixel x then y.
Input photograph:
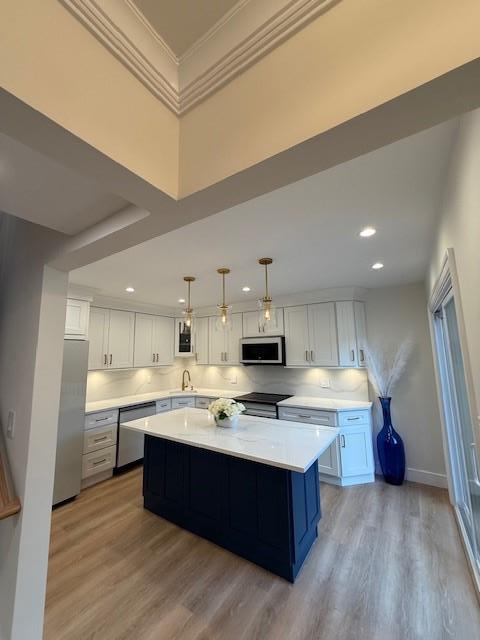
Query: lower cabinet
{"type": "Point", "coordinates": [329, 461]}
{"type": "Point", "coordinates": [99, 446]}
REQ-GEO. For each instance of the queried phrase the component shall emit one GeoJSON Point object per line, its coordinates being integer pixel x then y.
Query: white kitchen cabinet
{"type": "Point", "coordinates": [76, 319]}
{"type": "Point", "coordinates": [311, 335]}
{"type": "Point", "coordinates": [224, 344]}
{"type": "Point", "coordinates": [111, 333]}
{"type": "Point", "coordinates": [183, 339]}
{"type": "Point", "coordinates": [200, 345]}
{"type": "Point", "coordinates": [356, 454]}
{"type": "Point", "coordinates": [297, 344]}
{"type": "Point", "coordinates": [251, 327]}
{"type": "Point", "coordinates": [153, 340]}
{"type": "Point", "coordinates": [322, 330]}
{"type": "Point", "coordinates": [361, 331]}
{"type": "Point", "coordinates": [329, 461]}
{"type": "Point", "coordinates": [347, 340]}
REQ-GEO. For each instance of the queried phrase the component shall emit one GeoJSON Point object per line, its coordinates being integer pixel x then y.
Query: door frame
{"type": "Point", "coordinates": [446, 286]}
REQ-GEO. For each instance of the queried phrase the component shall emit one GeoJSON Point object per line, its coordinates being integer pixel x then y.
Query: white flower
{"type": "Point", "coordinates": [225, 408]}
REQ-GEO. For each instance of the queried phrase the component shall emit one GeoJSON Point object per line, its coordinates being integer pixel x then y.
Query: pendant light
{"type": "Point", "coordinates": [188, 311]}
{"type": "Point", "coordinates": [223, 319]}
{"type": "Point", "coordinates": [266, 314]}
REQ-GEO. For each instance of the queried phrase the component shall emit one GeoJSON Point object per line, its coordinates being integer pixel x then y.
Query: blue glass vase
{"type": "Point", "coordinates": [391, 451]}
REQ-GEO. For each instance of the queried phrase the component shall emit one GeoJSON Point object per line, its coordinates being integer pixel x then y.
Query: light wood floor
{"type": "Point", "coordinates": [388, 564]}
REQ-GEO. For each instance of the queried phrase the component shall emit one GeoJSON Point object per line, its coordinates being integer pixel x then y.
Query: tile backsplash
{"type": "Point", "coordinates": [348, 384]}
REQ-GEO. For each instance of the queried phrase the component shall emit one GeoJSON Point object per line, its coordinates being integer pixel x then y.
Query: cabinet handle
{"type": "Point", "coordinates": [352, 355]}
{"type": "Point", "coordinates": [312, 356]}
{"type": "Point", "coordinates": [102, 419]}
{"type": "Point", "coordinates": [196, 356]}
{"type": "Point", "coordinates": [306, 355]}
{"type": "Point", "coordinates": [100, 439]}
{"type": "Point", "coordinates": [226, 356]}
{"type": "Point", "coordinates": [300, 415]}
{"type": "Point", "coordinates": [362, 355]}
{"type": "Point", "coordinates": [157, 357]}
{"type": "Point", "coordinates": [153, 357]}
{"type": "Point", "coordinates": [110, 358]}
{"type": "Point", "coordinates": [99, 462]}
{"type": "Point", "coordinates": [105, 359]}
{"type": "Point", "coordinates": [356, 418]}
{"type": "Point", "coordinates": [342, 440]}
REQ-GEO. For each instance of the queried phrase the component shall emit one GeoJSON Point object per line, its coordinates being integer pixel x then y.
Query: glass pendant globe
{"type": "Point", "coordinates": [266, 315]}
{"type": "Point", "coordinates": [223, 318]}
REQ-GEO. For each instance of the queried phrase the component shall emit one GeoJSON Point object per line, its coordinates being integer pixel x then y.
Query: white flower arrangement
{"type": "Point", "coordinates": [385, 369]}
{"type": "Point", "coordinates": [225, 408]}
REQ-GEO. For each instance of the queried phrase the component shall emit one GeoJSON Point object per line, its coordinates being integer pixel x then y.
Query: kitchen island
{"type": "Point", "coordinates": [253, 490]}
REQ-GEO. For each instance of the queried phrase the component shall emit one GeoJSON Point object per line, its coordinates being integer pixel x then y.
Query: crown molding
{"type": "Point", "coordinates": [240, 38]}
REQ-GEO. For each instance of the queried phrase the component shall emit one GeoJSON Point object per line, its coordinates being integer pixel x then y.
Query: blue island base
{"type": "Point", "coordinates": [265, 514]}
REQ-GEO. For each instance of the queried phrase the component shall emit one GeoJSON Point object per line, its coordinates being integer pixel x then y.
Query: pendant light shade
{"type": "Point", "coordinates": [266, 310]}
{"type": "Point", "coordinates": [223, 318]}
{"type": "Point", "coordinates": [188, 311]}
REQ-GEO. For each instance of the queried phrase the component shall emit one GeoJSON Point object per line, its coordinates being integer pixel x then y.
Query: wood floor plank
{"type": "Point", "coordinates": [388, 563]}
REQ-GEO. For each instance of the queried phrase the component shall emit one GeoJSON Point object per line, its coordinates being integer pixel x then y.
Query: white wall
{"type": "Point", "coordinates": [347, 384]}
{"type": "Point", "coordinates": [459, 228]}
{"type": "Point", "coordinates": [32, 316]}
{"type": "Point", "coordinates": [393, 314]}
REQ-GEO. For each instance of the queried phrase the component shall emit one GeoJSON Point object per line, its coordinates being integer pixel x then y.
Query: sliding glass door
{"type": "Point", "coordinates": [460, 434]}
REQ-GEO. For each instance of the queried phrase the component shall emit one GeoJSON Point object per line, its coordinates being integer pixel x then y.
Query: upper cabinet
{"type": "Point", "coordinates": [311, 335]}
{"type": "Point", "coordinates": [153, 340]}
{"type": "Point", "coordinates": [327, 334]}
{"type": "Point", "coordinates": [224, 344]}
{"type": "Point", "coordinates": [76, 319]}
{"type": "Point", "coordinates": [183, 339]}
{"type": "Point", "coordinates": [251, 328]}
{"type": "Point", "coordinates": [111, 333]}
{"type": "Point", "coordinates": [200, 341]}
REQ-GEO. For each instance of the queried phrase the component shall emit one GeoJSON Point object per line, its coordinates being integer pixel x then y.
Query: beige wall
{"type": "Point", "coordinates": [352, 58]}
{"type": "Point", "coordinates": [60, 69]}
{"type": "Point", "coordinates": [459, 228]}
{"type": "Point", "coordinates": [32, 316]}
{"type": "Point", "coordinates": [393, 314]}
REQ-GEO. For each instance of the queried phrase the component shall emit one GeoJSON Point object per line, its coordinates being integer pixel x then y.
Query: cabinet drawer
{"type": "Point", "coordinates": [203, 403]}
{"type": "Point", "coordinates": [311, 416]}
{"type": "Point", "coordinates": [98, 461]}
{"type": "Point", "coordinates": [179, 403]}
{"type": "Point", "coordinates": [99, 438]}
{"type": "Point", "coordinates": [164, 405]}
{"type": "Point", "coordinates": [101, 418]}
{"type": "Point", "coordinates": [352, 418]}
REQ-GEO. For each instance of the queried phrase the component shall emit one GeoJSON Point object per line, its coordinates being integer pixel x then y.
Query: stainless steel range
{"type": "Point", "coordinates": [263, 405]}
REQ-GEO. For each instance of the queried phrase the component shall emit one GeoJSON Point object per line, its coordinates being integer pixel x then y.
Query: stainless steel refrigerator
{"type": "Point", "coordinates": [71, 419]}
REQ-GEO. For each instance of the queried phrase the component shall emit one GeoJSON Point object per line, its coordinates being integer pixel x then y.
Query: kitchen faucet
{"type": "Point", "coordinates": [184, 384]}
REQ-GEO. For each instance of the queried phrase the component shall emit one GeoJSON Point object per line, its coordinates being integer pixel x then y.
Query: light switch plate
{"type": "Point", "coordinates": [11, 425]}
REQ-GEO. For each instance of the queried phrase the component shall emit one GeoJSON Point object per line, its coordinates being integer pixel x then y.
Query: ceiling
{"type": "Point", "coordinates": [310, 228]}
{"type": "Point", "coordinates": [180, 23]}
{"type": "Point", "coordinates": [38, 189]}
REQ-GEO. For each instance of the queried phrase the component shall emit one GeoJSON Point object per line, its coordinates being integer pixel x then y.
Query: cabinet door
{"type": "Point", "coordinates": [163, 340]}
{"type": "Point", "coordinates": [347, 343]}
{"type": "Point", "coordinates": [322, 330]}
{"type": "Point", "coordinates": [216, 342]}
{"type": "Point", "coordinates": [76, 319]}
{"type": "Point", "coordinates": [233, 336]}
{"type": "Point", "coordinates": [361, 330]}
{"type": "Point", "coordinates": [251, 328]}
{"type": "Point", "coordinates": [121, 339]}
{"type": "Point", "coordinates": [98, 337]}
{"type": "Point", "coordinates": [297, 343]}
{"type": "Point", "coordinates": [356, 453]}
{"type": "Point", "coordinates": [329, 461]}
{"type": "Point", "coordinates": [144, 352]}
{"type": "Point", "coordinates": [201, 341]}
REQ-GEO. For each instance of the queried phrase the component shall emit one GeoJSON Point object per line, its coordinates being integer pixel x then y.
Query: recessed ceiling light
{"type": "Point", "coordinates": [181, 300]}
{"type": "Point", "coordinates": [367, 232]}
{"type": "Point", "coordinates": [130, 289]}
{"type": "Point", "coordinates": [246, 289]}
{"type": "Point", "coordinates": [377, 265]}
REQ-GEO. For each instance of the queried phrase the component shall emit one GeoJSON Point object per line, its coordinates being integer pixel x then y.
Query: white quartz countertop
{"type": "Point", "coordinates": [325, 404]}
{"type": "Point", "coordinates": [279, 443]}
{"type": "Point", "coordinates": [138, 398]}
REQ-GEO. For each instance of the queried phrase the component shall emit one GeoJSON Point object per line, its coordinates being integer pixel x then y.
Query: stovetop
{"type": "Point", "coordinates": [263, 398]}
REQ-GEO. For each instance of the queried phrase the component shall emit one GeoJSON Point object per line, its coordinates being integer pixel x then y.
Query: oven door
{"type": "Point", "coordinates": [263, 350]}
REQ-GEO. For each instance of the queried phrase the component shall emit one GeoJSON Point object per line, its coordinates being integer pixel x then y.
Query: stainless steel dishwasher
{"type": "Point", "coordinates": [130, 444]}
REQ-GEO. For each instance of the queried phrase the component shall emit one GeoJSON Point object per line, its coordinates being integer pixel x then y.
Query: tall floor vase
{"type": "Point", "coordinates": [391, 451]}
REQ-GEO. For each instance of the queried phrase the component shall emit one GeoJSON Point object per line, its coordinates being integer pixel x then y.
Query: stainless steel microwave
{"type": "Point", "coordinates": [262, 350]}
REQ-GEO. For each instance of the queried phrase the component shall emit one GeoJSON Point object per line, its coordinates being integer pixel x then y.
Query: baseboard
{"type": "Point", "coordinates": [427, 477]}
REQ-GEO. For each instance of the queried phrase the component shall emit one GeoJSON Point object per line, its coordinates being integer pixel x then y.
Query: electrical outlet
{"type": "Point", "coordinates": [325, 383]}
{"type": "Point", "coordinates": [149, 379]}
{"type": "Point", "coordinates": [233, 380]}
{"type": "Point", "coordinates": [11, 425]}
